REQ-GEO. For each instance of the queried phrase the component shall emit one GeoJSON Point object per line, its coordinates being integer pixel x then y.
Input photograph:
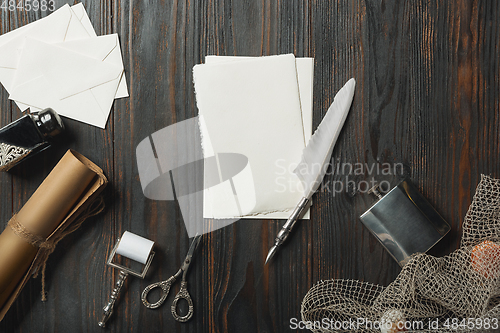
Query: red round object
{"type": "Point", "coordinates": [485, 259]}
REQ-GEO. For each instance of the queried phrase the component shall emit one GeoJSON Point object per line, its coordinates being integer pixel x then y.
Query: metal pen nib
{"type": "Point", "coordinates": [287, 227]}
{"type": "Point", "coordinates": [271, 253]}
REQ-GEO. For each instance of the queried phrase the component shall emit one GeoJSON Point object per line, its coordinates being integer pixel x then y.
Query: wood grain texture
{"type": "Point", "coordinates": [426, 101]}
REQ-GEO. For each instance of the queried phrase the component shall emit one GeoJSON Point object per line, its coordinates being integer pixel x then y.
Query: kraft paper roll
{"type": "Point", "coordinates": [41, 215]}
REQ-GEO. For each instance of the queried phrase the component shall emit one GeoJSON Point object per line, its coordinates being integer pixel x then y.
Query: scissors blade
{"type": "Point", "coordinates": [192, 248]}
{"type": "Point", "coordinates": [194, 244]}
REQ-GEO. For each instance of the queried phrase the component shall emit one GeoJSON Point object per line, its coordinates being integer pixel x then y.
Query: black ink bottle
{"type": "Point", "coordinates": [28, 136]}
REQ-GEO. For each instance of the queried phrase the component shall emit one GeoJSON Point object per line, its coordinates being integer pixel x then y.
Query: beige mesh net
{"type": "Point", "coordinates": [457, 293]}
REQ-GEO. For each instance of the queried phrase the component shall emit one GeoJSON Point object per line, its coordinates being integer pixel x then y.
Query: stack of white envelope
{"type": "Point", "coordinates": [261, 108]}
{"type": "Point", "coordinates": [60, 62]}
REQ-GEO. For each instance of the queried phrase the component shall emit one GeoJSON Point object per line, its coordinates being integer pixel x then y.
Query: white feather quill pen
{"type": "Point", "coordinates": [315, 156]}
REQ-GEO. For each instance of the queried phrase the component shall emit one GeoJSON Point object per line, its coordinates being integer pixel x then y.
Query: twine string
{"type": "Point", "coordinates": [47, 246]}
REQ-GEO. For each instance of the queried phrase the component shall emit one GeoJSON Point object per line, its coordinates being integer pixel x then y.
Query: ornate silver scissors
{"type": "Point", "coordinates": [165, 286]}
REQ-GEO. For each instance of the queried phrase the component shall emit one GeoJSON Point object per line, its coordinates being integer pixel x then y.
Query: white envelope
{"type": "Point", "coordinates": [105, 48]}
{"type": "Point", "coordinates": [69, 28]}
{"type": "Point", "coordinates": [82, 15]}
{"type": "Point", "coordinates": [76, 85]}
{"type": "Point", "coordinates": [62, 25]}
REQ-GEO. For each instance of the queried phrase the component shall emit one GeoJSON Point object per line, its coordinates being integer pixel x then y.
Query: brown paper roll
{"type": "Point", "coordinates": [41, 215]}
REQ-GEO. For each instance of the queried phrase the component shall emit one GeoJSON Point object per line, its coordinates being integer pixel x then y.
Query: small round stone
{"type": "Point", "coordinates": [392, 321]}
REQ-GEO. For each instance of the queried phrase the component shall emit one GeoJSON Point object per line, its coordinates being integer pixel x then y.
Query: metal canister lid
{"type": "Point", "coordinates": [48, 122]}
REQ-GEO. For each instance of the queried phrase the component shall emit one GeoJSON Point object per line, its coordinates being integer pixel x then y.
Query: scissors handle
{"type": "Point", "coordinates": [165, 287]}
{"type": "Point", "coordinates": [182, 294]}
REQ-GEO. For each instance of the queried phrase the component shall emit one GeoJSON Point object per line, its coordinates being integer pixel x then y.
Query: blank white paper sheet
{"type": "Point", "coordinates": [260, 108]}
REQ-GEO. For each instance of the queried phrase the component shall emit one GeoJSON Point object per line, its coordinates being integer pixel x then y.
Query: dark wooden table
{"type": "Point", "coordinates": [427, 101]}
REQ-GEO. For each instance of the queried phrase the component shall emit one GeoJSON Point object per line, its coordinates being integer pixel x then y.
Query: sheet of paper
{"type": "Point", "coordinates": [305, 76]}
{"type": "Point", "coordinates": [256, 104]}
{"type": "Point", "coordinates": [68, 28]}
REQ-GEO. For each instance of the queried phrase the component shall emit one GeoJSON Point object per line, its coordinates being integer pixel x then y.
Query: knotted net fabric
{"type": "Point", "coordinates": [456, 293]}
